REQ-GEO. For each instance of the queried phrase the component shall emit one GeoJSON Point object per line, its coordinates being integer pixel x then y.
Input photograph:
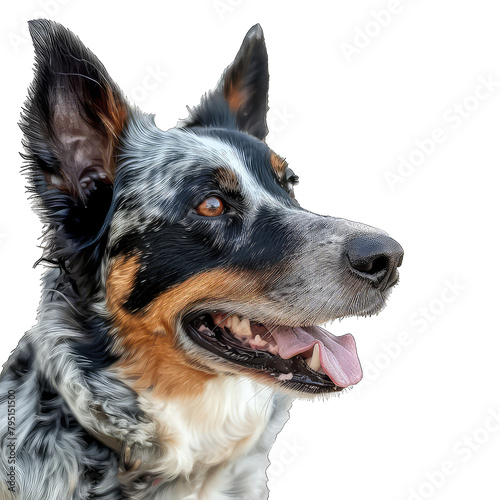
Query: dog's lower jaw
{"type": "Point", "coordinates": [215, 444]}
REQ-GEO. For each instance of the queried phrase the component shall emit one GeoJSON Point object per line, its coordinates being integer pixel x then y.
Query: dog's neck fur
{"type": "Point", "coordinates": [204, 433]}
{"type": "Point", "coordinates": [201, 445]}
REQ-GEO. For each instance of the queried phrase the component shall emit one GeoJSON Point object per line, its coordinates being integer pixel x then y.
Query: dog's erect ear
{"type": "Point", "coordinates": [73, 118]}
{"type": "Point", "coordinates": [245, 84]}
{"type": "Point", "coordinates": [242, 91]}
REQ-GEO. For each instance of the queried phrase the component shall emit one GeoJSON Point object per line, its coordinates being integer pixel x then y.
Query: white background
{"type": "Point", "coordinates": [342, 123]}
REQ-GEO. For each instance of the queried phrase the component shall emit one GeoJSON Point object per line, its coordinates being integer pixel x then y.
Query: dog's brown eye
{"type": "Point", "coordinates": [211, 207]}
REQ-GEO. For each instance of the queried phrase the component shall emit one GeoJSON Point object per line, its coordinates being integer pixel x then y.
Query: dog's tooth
{"type": "Point", "coordinates": [314, 362]}
{"type": "Point", "coordinates": [258, 341]}
{"type": "Point", "coordinates": [245, 328]}
{"type": "Point", "coordinates": [235, 324]}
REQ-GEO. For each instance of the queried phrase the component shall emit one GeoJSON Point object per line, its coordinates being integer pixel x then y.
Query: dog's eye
{"type": "Point", "coordinates": [211, 207]}
{"type": "Point", "coordinates": [290, 177]}
{"type": "Point", "coordinates": [290, 181]}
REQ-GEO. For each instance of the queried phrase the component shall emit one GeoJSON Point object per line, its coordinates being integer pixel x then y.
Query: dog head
{"type": "Point", "coordinates": [192, 237]}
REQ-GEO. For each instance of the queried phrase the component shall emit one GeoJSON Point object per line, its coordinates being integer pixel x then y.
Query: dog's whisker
{"type": "Point", "coordinates": [269, 332]}
{"type": "Point", "coordinates": [265, 407]}
{"type": "Point", "coordinates": [222, 321]}
{"type": "Point", "coordinates": [256, 394]}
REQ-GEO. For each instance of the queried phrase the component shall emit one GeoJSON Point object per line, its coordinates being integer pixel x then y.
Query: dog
{"type": "Point", "coordinates": [183, 291]}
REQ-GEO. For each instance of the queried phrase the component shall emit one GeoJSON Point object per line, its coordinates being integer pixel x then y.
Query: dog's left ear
{"type": "Point", "coordinates": [242, 90]}
{"type": "Point", "coordinates": [72, 120]}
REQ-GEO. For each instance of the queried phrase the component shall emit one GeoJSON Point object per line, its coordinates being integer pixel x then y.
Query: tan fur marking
{"type": "Point", "coordinates": [113, 113]}
{"type": "Point", "coordinates": [279, 164]}
{"type": "Point", "coordinates": [151, 356]}
{"type": "Point", "coordinates": [227, 179]}
{"type": "Point", "coordinates": [235, 95]}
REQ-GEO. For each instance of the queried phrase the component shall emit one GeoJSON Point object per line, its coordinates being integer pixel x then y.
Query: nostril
{"type": "Point", "coordinates": [379, 264]}
{"type": "Point", "coordinates": [375, 258]}
{"type": "Point", "coordinates": [369, 265]}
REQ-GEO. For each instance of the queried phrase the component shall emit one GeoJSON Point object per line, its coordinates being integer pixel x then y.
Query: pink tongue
{"type": "Point", "coordinates": [337, 355]}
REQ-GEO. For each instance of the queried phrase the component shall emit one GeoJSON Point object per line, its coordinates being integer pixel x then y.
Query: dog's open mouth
{"type": "Point", "coordinates": [308, 357]}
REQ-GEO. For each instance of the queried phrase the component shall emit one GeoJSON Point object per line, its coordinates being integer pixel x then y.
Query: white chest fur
{"type": "Point", "coordinates": [203, 433]}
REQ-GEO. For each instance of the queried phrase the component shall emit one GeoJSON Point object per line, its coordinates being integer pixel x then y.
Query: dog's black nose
{"type": "Point", "coordinates": [375, 258]}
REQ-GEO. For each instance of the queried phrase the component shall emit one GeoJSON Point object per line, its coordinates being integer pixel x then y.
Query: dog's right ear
{"type": "Point", "coordinates": [72, 122]}
{"type": "Point", "coordinates": [241, 94]}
